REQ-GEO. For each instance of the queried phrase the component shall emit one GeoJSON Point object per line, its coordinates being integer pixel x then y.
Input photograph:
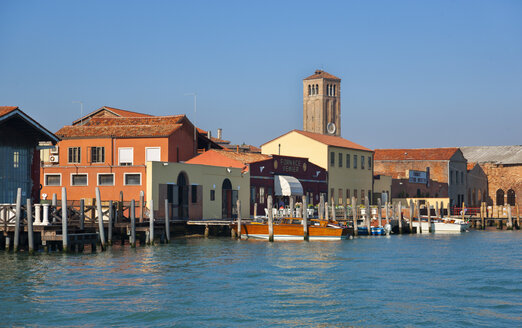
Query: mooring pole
{"type": "Point", "coordinates": [305, 219]}
{"type": "Point", "coordinates": [399, 206]}
{"type": "Point", "coordinates": [133, 223]}
{"type": "Point", "coordinates": [412, 212]}
{"type": "Point", "coordinates": [270, 219]}
{"type": "Point", "coordinates": [167, 222]}
{"type": "Point", "coordinates": [379, 215]}
{"type": "Point", "coordinates": [142, 200]}
{"type": "Point", "coordinates": [30, 237]}
{"type": "Point", "coordinates": [111, 220]}
{"type": "Point", "coordinates": [151, 222]}
{"type": "Point", "coordinates": [354, 217]}
{"type": "Point", "coordinates": [17, 219]}
{"type": "Point", "coordinates": [82, 214]}
{"type": "Point", "coordinates": [65, 235]}
{"type": "Point", "coordinates": [100, 219]}
{"type": "Point", "coordinates": [238, 219]}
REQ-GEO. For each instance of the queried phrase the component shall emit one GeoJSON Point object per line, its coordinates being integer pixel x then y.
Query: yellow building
{"type": "Point", "coordinates": [198, 191]}
{"type": "Point", "coordinates": [349, 165]}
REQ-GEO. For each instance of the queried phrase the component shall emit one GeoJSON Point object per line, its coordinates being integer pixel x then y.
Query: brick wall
{"type": "Point", "coordinates": [503, 177]}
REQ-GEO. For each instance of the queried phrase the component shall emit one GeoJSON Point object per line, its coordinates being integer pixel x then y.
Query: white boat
{"type": "Point", "coordinates": [450, 225]}
{"type": "Point", "coordinates": [424, 226]}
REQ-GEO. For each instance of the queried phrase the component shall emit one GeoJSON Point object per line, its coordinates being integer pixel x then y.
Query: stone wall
{"type": "Point", "coordinates": [504, 177]}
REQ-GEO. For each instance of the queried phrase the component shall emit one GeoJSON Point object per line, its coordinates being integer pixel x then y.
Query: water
{"type": "Point", "coordinates": [467, 280]}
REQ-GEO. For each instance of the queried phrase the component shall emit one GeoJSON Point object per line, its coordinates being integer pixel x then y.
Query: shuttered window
{"type": "Point", "coordinates": [125, 156]}
{"type": "Point", "coordinates": [153, 154]}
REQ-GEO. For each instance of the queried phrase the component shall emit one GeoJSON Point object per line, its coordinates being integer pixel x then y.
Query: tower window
{"type": "Point", "coordinates": [334, 90]}
{"type": "Point", "coordinates": [317, 89]}
{"type": "Point", "coordinates": [309, 90]}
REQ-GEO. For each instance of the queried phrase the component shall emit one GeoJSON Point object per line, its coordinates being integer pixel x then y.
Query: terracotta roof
{"type": "Point", "coordinates": [226, 158]}
{"type": "Point", "coordinates": [121, 131]}
{"type": "Point", "coordinates": [319, 74]}
{"type": "Point", "coordinates": [470, 166]}
{"type": "Point", "coordinates": [114, 111]}
{"type": "Point", "coordinates": [414, 154]}
{"type": "Point", "coordinates": [153, 120]}
{"type": "Point", "coordinates": [332, 140]}
{"type": "Point", "coordinates": [7, 109]}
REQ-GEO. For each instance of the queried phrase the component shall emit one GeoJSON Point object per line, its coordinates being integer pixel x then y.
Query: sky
{"type": "Point", "coordinates": [414, 73]}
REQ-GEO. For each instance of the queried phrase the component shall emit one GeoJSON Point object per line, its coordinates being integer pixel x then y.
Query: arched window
{"type": "Point", "coordinates": [327, 89]}
{"type": "Point", "coordinates": [317, 88]}
{"type": "Point", "coordinates": [500, 197]}
{"type": "Point", "coordinates": [333, 90]}
{"type": "Point", "coordinates": [309, 89]}
{"type": "Point", "coordinates": [511, 197]}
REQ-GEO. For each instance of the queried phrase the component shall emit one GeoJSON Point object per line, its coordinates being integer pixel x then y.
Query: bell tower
{"type": "Point", "coordinates": [322, 104]}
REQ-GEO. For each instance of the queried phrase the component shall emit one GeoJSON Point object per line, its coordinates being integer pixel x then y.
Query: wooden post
{"type": "Point", "coordinates": [133, 223]}
{"type": "Point", "coordinates": [345, 215]}
{"type": "Point", "coordinates": [151, 222]}
{"type": "Point", "coordinates": [482, 210]}
{"type": "Point", "coordinates": [30, 236]}
{"type": "Point", "coordinates": [270, 219]}
{"type": "Point", "coordinates": [379, 216]}
{"type": "Point", "coordinates": [239, 219]}
{"type": "Point", "coordinates": [142, 199]}
{"type": "Point", "coordinates": [437, 214]}
{"type": "Point", "coordinates": [17, 219]}
{"type": "Point", "coordinates": [65, 235]}
{"type": "Point", "coordinates": [82, 214]}
{"type": "Point", "coordinates": [417, 210]}
{"type": "Point", "coordinates": [334, 218]}
{"type": "Point", "coordinates": [321, 207]}
{"type": "Point", "coordinates": [109, 229]}
{"type": "Point", "coordinates": [510, 219]}
{"type": "Point", "coordinates": [167, 222]}
{"type": "Point", "coordinates": [100, 219]}
{"type": "Point", "coordinates": [429, 216]}
{"type": "Point", "coordinates": [354, 217]}
{"type": "Point", "coordinates": [518, 218]}
{"type": "Point", "coordinates": [386, 209]}
{"type": "Point", "coordinates": [305, 220]}
{"type": "Point", "coordinates": [399, 210]}
{"type": "Point", "coordinates": [326, 211]}
{"type": "Point", "coordinates": [120, 207]}
{"type": "Point", "coordinates": [255, 210]}
{"type": "Point", "coordinates": [412, 212]}
{"type": "Point", "coordinates": [292, 207]}
{"type": "Point", "coordinates": [463, 210]}
{"type": "Point", "coordinates": [368, 215]}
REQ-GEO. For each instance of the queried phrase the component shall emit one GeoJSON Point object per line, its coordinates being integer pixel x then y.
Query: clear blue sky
{"type": "Point", "coordinates": [414, 73]}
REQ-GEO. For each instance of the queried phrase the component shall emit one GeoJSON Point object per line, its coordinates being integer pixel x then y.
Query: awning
{"type": "Point", "coordinates": [286, 185]}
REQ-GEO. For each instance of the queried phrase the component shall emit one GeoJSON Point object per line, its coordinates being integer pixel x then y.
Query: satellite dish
{"type": "Point", "coordinates": [330, 128]}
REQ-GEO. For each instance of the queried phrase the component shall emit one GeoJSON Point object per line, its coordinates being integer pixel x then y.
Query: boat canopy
{"type": "Point", "coordinates": [286, 185]}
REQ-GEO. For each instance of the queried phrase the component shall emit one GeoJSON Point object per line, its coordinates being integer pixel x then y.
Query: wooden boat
{"type": "Point", "coordinates": [292, 229]}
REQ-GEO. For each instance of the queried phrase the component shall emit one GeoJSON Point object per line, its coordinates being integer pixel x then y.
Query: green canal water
{"type": "Point", "coordinates": [468, 280]}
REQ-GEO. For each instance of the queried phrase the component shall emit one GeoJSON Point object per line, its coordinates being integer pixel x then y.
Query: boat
{"type": "Point", "coordinates": [292, 229]}
{"type": "Point", "coordinates": [449, 225]}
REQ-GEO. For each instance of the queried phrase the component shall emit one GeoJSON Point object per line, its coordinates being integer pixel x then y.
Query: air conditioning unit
{"type": "Point", "coordinates": [53, 158]}
{"type": "Point", "coordinates": [54, 150]}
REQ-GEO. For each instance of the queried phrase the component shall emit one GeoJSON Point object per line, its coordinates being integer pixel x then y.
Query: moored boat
{"type": "Point", "coordinates": [292, 229]}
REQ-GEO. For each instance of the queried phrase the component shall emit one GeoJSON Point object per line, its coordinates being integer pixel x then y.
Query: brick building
{"type": "Point", "coordinates": [502, 166]}
{"type": "Point", "coordinates": [424, 173]}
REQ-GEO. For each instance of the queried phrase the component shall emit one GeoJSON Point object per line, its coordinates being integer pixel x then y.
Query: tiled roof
{"type": "Point", "coordinates": [319, 74]}
{"type": "Point", "coordinates": [414, 154]}
{"type": "Point", "coordinates": [7, 109]}
{"type": "Point", "coordinates": [332, 140]}
{"type": "Point", "coordinates": [470, 166]}
{"type": "Point", "coordinates": [153, 120]}
{"type": "Point", "coordinates": [493, 154]}
{"type": "Point", "coordinates": [112, 112]}
{"type": "Point", "coordinates": [226, 158]}
{"type": "Point", "coordinates": [121, 131]}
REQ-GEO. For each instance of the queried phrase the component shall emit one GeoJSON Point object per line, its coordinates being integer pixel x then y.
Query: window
{"type": "Point", "coordinates": [262, 195]}
{"type": "Point", "coordinates": [252, 195]}
{"type": "Point", "coordinates": [132, 179]}
{"type": "Point", "coordinates": [53, 180]}
{"type": "Point", "coordinates": [74, 155]}
{"type": "Point", "coordinates": [369, 162]}
{"type": "Point", "coordinates": [354, 161]}
{"type": "Point", "coordinates": [78, 179]}
{"type": "Point", "coordinates": [212, 195]}
{"type": "Point", "coordinates": [456, 177]}
{"type": "Point", "coordinates": [194, 194]}
{"type": "Point", "coordinates": [462, 177]}
{"type": "Point", "coordinates": [106, 179]}
{"type": "Point", "coordinates": [451, 177]}
{"type": "Point", "coordinates": [125, 156]}
{"type": "Point", "coordinates": [347, 194]}
{"type": "Point", "coordinates": [153, 154]}
{"type": "Point", "coordinates": [362, 162]}
{"type": "Point", "coordinates": [347, 160]}
{"type": "Point", "coordinates": [340, 196]}
{"type": "Point", "coordinates": [362, 195]}
{"type": "Point", "coordinates": [97, 154]}
{"type": "Point", "coordinates": [331, 195]}
{"type": "Point", "coordinates": [332, 158]}
{"type": "Point", "coordinates": [340, 160]}
{"type": "Point", "coordinates": [309, 90]}
{"type": "Point", "coordinates": [16, 159]}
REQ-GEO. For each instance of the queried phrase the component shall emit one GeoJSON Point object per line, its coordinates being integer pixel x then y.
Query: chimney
{"type": "Point", "coordinates": [209, 134]}
{"type": "Point", "coordinates": [237, 149]}
{"type": "Point", "coordinates": [220, 133]}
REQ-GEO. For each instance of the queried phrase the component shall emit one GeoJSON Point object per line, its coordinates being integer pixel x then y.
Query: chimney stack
{"type": "Point", "coordinates": [220, 134]}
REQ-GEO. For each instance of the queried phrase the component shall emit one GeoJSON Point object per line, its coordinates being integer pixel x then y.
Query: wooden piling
{"type": "Point", "coordinates": [437, 214]}
{"type": "Point", "coordinates": [305, 219]}
{"type": "Point", "coordinates": [334, 218]}
{"type": "Point", "coordinates": [292, 207]}
{"type": "Point", "coordinates": [345, 215]}
{"type": "Point", "coordinates": [412, 212]}
{"type": "Point", "coordinates": [17, 219]}
{"type": "Point", "coordinates": [255, 210]}
{"type": "Point", "coordinates": [368, 215]}
{"type": "Point", "coordinates": [120, 207]}
{"type": "Point", "coordinates": [354, 217]}
{"type": "Point", "coordinates": [463, 211]}
{"type": "Point", "coordinates": [111, 219]}
{"type": "Point", "coordinates": [321, 207]}
{"type": "Point", "coordinates": [239, 219]}
{"type": "Point", "coordinates": [417, 209]}
{"type": "Point", "coordinates": [30, 236]}
{"type": "Point", "coordinates": [518, 217]}
{"type": "Point", "coordinates": [386, 209]}
{"type": "Point", "coordinates": [482, 214]}
{"type": "Point", "coordinates": [379, 217]}
{"type": "Point", "coordinates": [270, 219]}
{"type": "Point", "coordinates": [509, 225]}
{"type": "Point", "coordinates": [429, 216]}
{"type": "Point", "coordinates": [326, 217]}
{"type": "Point", "coordinates": [399, 210]}
{"type": "Point", "coordinates": [142, 200]}
{"type": "Point", "coordinates": [167, 222]}
{"type": "Point", "coordinates": [65, 235]}
{"type": "Point", "coordinates": [82, 214]}
{"type": "Point", "coordinates": [100, 219]}
{"type": "Point", "coordinates": [133, 223]}
{"type": "Point", "coordinates": [151, 222]}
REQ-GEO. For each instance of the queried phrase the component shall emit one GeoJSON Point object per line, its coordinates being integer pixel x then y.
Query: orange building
{"type": "Point", "coordinates": [109, 148]}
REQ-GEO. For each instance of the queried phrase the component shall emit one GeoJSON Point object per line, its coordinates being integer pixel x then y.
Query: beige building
{"type": "Point", "coordinates": [349, 165]}
{"type": "Point", "coordinates": [197, 191]}
{"type": "Point", "coordinates": [322, 103]}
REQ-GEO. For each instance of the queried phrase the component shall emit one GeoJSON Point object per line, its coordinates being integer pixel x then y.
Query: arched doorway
{"type": "Point", "coordinates": [500, 197]}
{"type": "Point", "coordinates": [229, 199]}
{"type": "Point", "coordinates": [511, 197]}
{"type": "Point", "coordinates": [183, 194]}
